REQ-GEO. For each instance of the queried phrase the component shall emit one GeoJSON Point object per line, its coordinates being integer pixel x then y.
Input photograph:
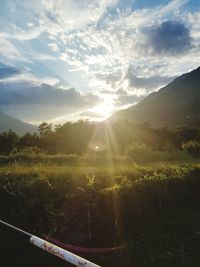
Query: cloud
{"type": "Point", "coordinates": [40, 56]}
{"type": "Point", "coordinates": [107, 51]}
{"type": "Point", "coordinates": [121, 92]}
{"type": "Point", "coordinates": [54, 47]}
{"type": "Point", "coordinates": [169, 37]}
{"type": "Point", "coordinates": [110, 78]}
{"type": "Point", "coordinates": [32, 101]}
{"type": "Point", "coordinates": [173, 6]}
{"type": "Point", "coordinates": [124, 100]}
{"type": "Point", "coordinates": [73, 15]}
{"type": "Point", "coordinates": [111, 48]}
{"type": "Point", "coordinates": [92, 99]}
{"type": "Point", "coordinates": [8, 71]}
{"type": "Point", "coordinates": [20, 34]}
{"type": "Point", "coordinates": [91, 114]}
{"type": "Point", "coordinates": [149, 83]}
{"type": "Point", "coordinates": [29, 93]}
{"type": "Point", "coordinates": [9, 52]}
{"type": "Point", "coordinates": [22, 75]}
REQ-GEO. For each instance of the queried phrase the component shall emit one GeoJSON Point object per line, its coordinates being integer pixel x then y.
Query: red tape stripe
{"type": "Point", "coordinates": [76, 249]}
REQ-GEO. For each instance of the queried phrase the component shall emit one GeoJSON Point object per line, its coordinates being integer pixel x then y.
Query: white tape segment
{"type": "Point", "coordinates": [61, 253]}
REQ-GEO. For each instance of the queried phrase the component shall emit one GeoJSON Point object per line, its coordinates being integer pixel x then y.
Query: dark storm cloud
{"type": "Point", "coordinates": [169, 37]}
{"type": "Point", "coordinates": [7, 71]}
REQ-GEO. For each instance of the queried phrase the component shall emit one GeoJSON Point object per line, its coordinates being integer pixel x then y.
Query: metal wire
{"type": "Point", "coordinates": [16, 228]}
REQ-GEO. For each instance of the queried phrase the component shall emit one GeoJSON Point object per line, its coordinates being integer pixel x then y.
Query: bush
{"type": "Point", "coordinates": [192, 147]}
{"type": "Point", "coordinates": [138, 151]}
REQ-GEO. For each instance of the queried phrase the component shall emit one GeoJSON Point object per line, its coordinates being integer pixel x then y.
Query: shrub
{"type": "Point", "coordinates": [138, 151]}
{"type": "Point", "coordinates": [192, 147]}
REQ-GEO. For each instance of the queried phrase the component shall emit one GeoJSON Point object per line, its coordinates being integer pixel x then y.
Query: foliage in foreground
{"type": "Point", "coordinates": [153, 211]}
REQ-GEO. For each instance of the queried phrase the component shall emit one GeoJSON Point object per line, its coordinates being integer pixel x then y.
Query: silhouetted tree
{"type": "Point", "coordinates": [8, 141]}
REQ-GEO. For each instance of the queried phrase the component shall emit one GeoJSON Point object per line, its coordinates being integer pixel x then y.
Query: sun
{"type": "Point", "coordinates": [106, 108]}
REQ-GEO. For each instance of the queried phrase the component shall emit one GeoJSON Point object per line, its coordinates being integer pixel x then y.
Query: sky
{"type": "Point", "coordinates": [64, 60]}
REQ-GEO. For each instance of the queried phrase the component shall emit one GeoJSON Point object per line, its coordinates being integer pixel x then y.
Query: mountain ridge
{"type": "Point", "coordinates": [174, 105]}
{"type": "Point", "coordinates": [20, 127]}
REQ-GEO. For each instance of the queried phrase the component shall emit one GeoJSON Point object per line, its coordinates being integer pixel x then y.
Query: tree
{"type": "Point", "coordinates": [29, 140]}
{"type": "Point", "coordinates": [8, 141]}
{"type": "Point", "coordinates": [45, 129]}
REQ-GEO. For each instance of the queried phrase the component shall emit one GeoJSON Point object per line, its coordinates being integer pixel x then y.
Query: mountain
{"type": "Point", "coordinates": [7, 122]}
{"type": "Point", "coordinates": [175, 105]}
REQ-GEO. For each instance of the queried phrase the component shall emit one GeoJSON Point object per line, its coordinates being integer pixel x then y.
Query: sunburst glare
{"type": "Point", "coordinates": [106, 108]}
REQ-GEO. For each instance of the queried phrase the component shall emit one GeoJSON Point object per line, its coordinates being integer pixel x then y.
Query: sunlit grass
{"type": "Point", "coordinates": [99, 168]}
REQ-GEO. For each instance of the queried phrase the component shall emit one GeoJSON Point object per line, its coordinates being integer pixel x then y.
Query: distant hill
{"type": "Point", "coordinates": [175, 105]}
{"type": "Point", "coordinates": [7, 122]}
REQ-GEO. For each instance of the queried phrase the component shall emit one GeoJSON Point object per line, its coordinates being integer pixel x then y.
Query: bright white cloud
{"type": "Point", "coordinates": [9, 52]}
{"type": "Point", "coordinates": [118, 43]}
{"type": "Point", "coordinates": [54, 47]}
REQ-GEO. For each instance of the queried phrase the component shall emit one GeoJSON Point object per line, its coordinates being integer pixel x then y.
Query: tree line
{"type": "Point", "coordinates": [84, 137]}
